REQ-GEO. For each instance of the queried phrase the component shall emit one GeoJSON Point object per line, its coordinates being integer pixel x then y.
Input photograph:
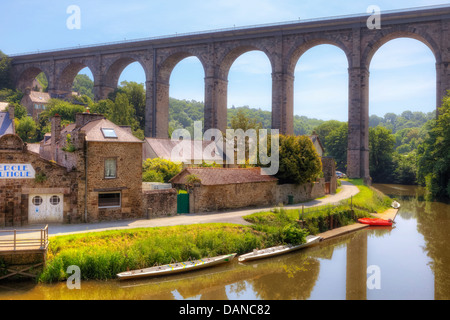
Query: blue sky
{"type": "Point", "coordinates": [402, 72]}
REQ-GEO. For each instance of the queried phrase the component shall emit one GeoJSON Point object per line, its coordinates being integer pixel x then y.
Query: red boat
{"type": "Point", "coordinates": [376, 222]}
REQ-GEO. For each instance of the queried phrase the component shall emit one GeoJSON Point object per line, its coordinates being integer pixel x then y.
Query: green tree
{"type": "Point", "coordinates": [160, 170]}
{"type": "Point", "coordinates": [26, 129]}
{"type": "Point", "coordinates": [241, 120]}
{"type": "Point", "coordinates": [19, 110]}
{"type": "Point", "coordinates": [336, 146]}
{"type": "Point", "coordinates": [299, 161]}
{"type": "Point", "coordinates": [122, 113]}
{"type": "Point", "coordinates": [9, 95]}
{"type": "Point", "coordinates": [136, 96]}
{"type": "Point", "coordinates": [42, 79]}
{"type": "Point", "coordinates": [381, 145]}
{"type": "Point", "coordinates": [102, 107]}
{"type": "Point", "coordinates": [434, 155]}
{"type": "Point", "coordinates": [83, 85]}
{"type": "Point", "coordinates": [5, 71]}
{"type": "Point", "coordinates": [405, 168]}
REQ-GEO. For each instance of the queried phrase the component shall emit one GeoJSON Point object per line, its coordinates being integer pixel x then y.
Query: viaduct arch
{"type": "Point", "coordinates": [217, 50]}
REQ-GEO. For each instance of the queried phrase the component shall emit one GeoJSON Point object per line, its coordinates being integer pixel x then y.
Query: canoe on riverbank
{"type": "Point", "coordinates": [275, 251]}
{"type": "Point", "coordinates": [375, 222]}
{"type": "Point", "coordinates": [175, 268]}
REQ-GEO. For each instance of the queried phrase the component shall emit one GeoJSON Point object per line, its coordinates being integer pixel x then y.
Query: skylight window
{"type": "Point", "coordinates": [109, 133]}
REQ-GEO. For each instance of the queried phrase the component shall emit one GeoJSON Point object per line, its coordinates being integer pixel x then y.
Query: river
{"type": "Point", "coordinates": [409, 261]}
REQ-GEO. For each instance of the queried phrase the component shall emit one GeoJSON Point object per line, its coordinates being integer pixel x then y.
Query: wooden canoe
{"type": "Point", "coordinates": [175, 268]}
{"type": "Point", "coordinates": [279, 250]}
{"type": "Point", "coordinates": [376, 222]}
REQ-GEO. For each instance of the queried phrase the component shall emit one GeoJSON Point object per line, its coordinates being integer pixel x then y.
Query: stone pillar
{"type": "Point", "coordinates": [358, 124]}
{"type": "Point", "coordinates": [56, 135]}
{"type": "Point", "coordinates": [216, 91]}
{"type": "Point", "coordinates": [442, 81]}
{"type": "Point", "coordinates": [283, 102]}
{"type": "Point", "coordinates": [443, 66]}
{"type": "Point", "coordinates": [161, 120]}
{"type": "Point", "coordinates": [101, 92]}
{"type": "Point", "coordinates": [149, 106]}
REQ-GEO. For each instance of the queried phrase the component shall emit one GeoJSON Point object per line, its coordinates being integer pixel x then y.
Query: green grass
{"type": "Point", "coordinates": [369, 198]}
{"type": "Point", "coordinates": [323, 218]}
{"type": "Point", "coordinates": [101, 255]}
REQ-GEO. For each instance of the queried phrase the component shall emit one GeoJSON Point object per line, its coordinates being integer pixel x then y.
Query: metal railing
{"type": "Point", "coordinates": [12, 240]}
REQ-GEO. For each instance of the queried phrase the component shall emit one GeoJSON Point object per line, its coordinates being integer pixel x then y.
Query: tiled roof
{"type": "Point", "coordinates": [34, 147]}
{"type": "Point", "coordinates": [39, 97]}
{"type": "Point", "coordinates": [221, 176]}
{"type": "Point", "coordinates": [6, 124]}
{"type": "Point", "coordinates": [94, 132]}
{"type": "Point", "coordinates": [163, 149]}
{"type": "Point", "coordinates": [3, 106]}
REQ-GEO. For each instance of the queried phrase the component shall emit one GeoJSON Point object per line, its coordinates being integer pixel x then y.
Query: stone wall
{"type": "Point", "coordinates": [159, 203]}
{"type": "Point", "coordinates": [128, 181]}
{"type": "Point", "coordinates": [300, 193]}
{"type": "Point", "coordinates": [232, 196]}
{"type": "Point", "coordinates": [329, 173]}
{"type": "Point", "coordinates": [14, 193]}
{"type": "Point", "coordinates": [246, 195]}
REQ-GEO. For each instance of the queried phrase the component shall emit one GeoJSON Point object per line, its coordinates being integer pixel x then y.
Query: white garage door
{"type": "Point", "coordinates": [45, 208]}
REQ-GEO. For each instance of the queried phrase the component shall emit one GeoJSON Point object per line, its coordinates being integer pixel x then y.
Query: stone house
{"type": "Point", "coordinates": [35, 102]}
{"type": "Point", "coordinates": [32, 189]}
{"type": "Point", "coordinates": [108, 161]}
{"type": "Point", "coordinates": [317, 144]}
{"type": "Point", "coordinates": [89, 171]}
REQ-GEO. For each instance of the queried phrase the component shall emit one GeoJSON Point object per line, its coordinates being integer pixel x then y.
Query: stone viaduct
{"type": "Point", "coordinates": [283, 44]}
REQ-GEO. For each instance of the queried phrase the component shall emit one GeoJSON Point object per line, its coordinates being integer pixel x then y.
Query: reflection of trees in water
{"type": "Point", "coordinates": [434, 225]}
{"type": "Point", "coordinates": [433, 219]}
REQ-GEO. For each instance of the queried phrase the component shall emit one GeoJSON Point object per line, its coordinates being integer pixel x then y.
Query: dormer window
{"type": "Point", "coordinates": [109, 133]}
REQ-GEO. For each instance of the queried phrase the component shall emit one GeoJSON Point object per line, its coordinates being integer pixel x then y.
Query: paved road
{"type": "Point", "coordinates": [347, 191]}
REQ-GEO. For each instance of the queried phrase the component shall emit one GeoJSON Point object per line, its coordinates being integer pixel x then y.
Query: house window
{"type": "Point", "coordinates": [55, 200]}
{"type": "Point", "coordinates": [109, 133]}
{"type": "Point", "coordinates": [109, 200]}
{"type": "Point", "coordinates": [37, 201]}
{"type": "Point", "coordinates": [110, 168]}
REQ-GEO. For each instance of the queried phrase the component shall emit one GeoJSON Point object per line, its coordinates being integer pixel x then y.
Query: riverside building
{"type": "Point", "coordinates": [88, 171]}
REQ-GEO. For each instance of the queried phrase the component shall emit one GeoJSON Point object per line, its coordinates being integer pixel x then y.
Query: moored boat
{"type": "Point", "coordinates": [275, 251]}
{"type": "Point", "coordinates": [395, 205]}
{"type": "Point", "coordinates": [376, 222]}
{"type": "Point", "coordinates": [175, 267]}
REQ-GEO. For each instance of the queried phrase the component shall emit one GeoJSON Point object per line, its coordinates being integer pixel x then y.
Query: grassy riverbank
{"type": "Point", "coordinates": [324, 218]}
{"type": "Point", "coordinates": [101, 255]}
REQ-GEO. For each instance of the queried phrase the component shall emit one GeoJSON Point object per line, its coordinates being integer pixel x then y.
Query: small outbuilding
{"type": "Point", "coordinates": [216, 189]}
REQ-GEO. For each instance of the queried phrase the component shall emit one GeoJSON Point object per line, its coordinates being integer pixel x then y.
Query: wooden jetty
{"type": "Point", "coordinates": [22, 252]}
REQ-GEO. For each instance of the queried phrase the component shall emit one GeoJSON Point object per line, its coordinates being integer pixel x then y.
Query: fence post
{"type": "Point", "coordinates": [14, 240]}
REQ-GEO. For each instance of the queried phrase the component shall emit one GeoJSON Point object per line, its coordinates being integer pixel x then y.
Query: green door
{"type": "Point", "coordinates": [183, 203]}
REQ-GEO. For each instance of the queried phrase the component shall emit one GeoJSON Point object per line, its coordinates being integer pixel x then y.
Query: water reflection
{"type": "Point", "coordinates": [413, 258]}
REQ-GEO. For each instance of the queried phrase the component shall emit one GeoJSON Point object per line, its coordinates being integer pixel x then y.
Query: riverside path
{"type": "Point", "coordinates": [347, 191]}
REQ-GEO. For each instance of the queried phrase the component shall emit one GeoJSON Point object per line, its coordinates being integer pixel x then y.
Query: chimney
{"type": "Point", "coordinates": [81, 119]}
{"type": "Point", "coordinates": [56, 135]}
{"type": "Point", "coordinates": [11, 112]}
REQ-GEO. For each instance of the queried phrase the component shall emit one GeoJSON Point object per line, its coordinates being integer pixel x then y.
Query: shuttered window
{"type": "Point", "coordinates": [111, 168]}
